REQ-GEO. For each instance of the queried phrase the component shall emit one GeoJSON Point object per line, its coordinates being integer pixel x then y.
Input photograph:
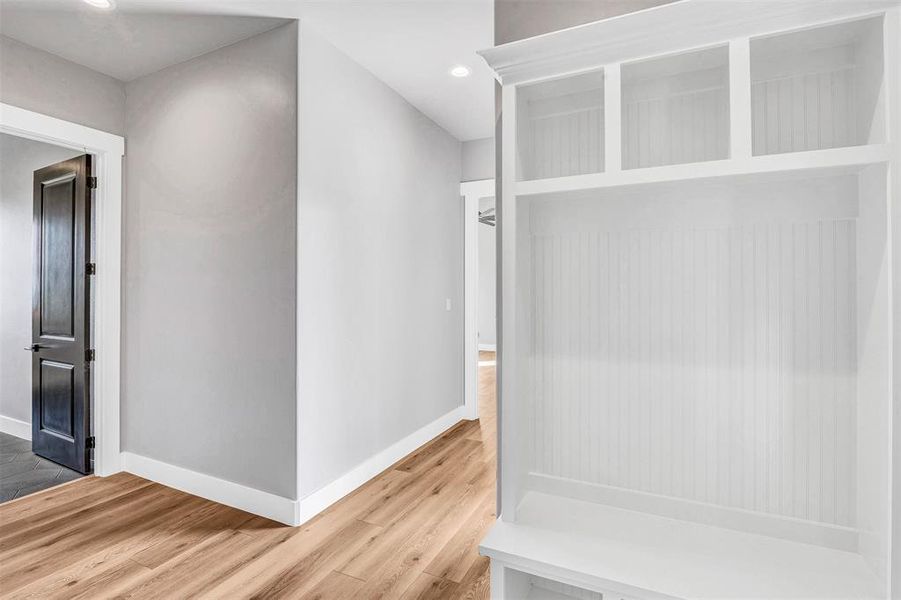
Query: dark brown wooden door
{"type": "Point", "coordinates": [60, 310]}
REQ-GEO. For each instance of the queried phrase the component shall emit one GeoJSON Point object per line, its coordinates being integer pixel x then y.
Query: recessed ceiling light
{"type": "Point", "coordinates": [105, 4]}
{"type": "Point", "coordinates": [460, 71]}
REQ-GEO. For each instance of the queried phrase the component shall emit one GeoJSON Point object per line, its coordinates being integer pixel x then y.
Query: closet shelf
{"type": "Point", "coordinates": [829, 161]}
{"type": "Point", "coordinates": [642, 555]}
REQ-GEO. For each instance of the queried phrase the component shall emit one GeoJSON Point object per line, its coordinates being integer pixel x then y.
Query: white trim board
{"type": "Point", "coordinates": [776, 167]}
{"type": "Point", "coordinates": [472, 192]}
{"type": "Point", "coordinates": [212, 488]}
{"type": "Point", "coordinates": [736, 519]}
{"type": "Point", "coordinates": [108, 150]}
{"type": "Point", "coordinates": [15, 427]}
{"type": "Point", "coordinates": [893, 88]}
{"type": "Point", "coordinates": [318, 501]}
{"type": "Point", "coordinates": [607, 548]}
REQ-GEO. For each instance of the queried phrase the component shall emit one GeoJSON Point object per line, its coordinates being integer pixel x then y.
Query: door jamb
{"type": "Point", "coordinates": [472, 192]}
{"type": "Point", "coordinates": [108, 150]}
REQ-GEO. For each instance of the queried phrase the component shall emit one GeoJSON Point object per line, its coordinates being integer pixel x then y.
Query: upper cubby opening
{"type": "Point", "coordinates": [675, 109]}
{"type": "Point", "coordinates": [818, 88]}
{"type": "Point", "coordinates": [561, 127]}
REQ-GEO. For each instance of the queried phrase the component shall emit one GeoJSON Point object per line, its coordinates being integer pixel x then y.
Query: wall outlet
{"type": "Point", "coordinates": [447, 304]}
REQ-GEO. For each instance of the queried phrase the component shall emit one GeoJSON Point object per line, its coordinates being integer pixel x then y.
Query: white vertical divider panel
{"type": "Point", "coordinates": [613, 116]}
{"type": "Point", "coordinates": [740, 98]}
{"type": "Point", "coordinates": [524, 426]}
{"type": "Point", "coordinates": [873, 414]}
{"type": "Point", "coordinates": [471, 299]}
{"type": "Point", "coordinates": [892, 63]}
{"type": "Point", "coordinates": [509, 412]}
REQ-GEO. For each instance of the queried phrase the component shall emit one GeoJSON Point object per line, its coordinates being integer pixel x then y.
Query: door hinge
{"type": "Point", "coordinates": [89, 442]}
{"type": "Point", "coordinates": [89, 355]}
{"type": "Point", "coordinates": [91, 269]}
{"type": "Point", "coordinates": [92, 183]}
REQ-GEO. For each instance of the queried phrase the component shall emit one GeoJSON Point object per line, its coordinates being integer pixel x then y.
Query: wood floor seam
{"type": "Point", "coordinates": [357, 578]}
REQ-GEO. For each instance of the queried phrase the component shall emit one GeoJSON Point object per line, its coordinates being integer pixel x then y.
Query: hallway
{"type": "Point", "coordinates": [412, 532]}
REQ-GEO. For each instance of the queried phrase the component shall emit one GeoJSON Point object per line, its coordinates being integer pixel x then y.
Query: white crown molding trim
{"type": "Point", "coordinates": [15, 427]}
{"type": "Point", "coordinates": [649, 32]}
{"type": "Point", "coordinates": [258, 502]}
{"type": "Point", "coordinates": [324, 497]}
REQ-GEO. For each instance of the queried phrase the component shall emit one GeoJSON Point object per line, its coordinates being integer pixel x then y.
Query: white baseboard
{"type": "Point", "coordinates": [212, 488]}
{"type": "Point", "coordinates": [278, 508]}
{"type": "Point", "coordinates": [488, 347]}
{"type": "Point", "coordinates": [15, 427]}
{"type": "Point", "coordinates": [324, 497]}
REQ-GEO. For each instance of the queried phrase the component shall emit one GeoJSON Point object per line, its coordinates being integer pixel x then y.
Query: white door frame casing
{"type": "Point", "coordinates": [107, 150]}
{"type": "Point", "coordinates": [472, 192]}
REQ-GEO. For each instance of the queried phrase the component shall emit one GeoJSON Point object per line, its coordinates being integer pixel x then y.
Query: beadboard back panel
{"type": "Point", "coordinates": [675, 109]}
{"type": "Point", "coordinates": [818, 88]}
{"type": "Point", "coordinates": [678, 128]}
{"type": "Point", "coordinates": [713, 362]}
{"type": "Point", "coordinates": [562, 127]}
{"type": "Point", "coordinates": [811, 111]}
{"type": "Point", "coordinates": [566, 143]}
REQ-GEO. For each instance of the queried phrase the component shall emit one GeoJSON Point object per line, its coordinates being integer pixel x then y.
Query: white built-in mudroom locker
{"type": "Point", "coordinates": [700, 305]}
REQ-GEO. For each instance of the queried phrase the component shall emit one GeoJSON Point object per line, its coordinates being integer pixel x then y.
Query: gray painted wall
{"type": "Point", "coordinates": [478, 159]}
{"type": "Point", "coordinates": [209, 264]}
{"type": "Point", "coordinates": [519, 19]}
{"type": "Point", "coordinates": [19, 159]}
{"type": "Point", "coordinates": [45, 83]}
{"type": "Point", "coordinates": [381, 248]}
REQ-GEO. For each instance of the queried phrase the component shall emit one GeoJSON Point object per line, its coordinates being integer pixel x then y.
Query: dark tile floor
{"type": "Point", "coordinates": [22, 472]}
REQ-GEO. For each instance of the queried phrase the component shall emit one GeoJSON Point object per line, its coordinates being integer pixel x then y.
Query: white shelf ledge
{"type": "Point", "coordinates": [600, 547]}
{"type": "Point", "coordinates": [831, 161]}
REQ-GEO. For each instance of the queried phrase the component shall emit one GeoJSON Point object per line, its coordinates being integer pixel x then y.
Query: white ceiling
{"type": "Point", "coordinates": [409, 44]}
{"type": "Point", "coordinates": [124, 45]}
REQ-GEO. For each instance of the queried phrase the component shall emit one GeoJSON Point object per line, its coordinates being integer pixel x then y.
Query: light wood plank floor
{"type": "Point", "coordinates": [412, 532]}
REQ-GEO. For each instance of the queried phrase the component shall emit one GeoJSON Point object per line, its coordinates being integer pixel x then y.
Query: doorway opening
{"type": "Point", "coordinates": [60, 289]}
{"type": "Point", "coordinates": [45, 228]}
{"type": "Point", "coordinates": [480, 274]}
